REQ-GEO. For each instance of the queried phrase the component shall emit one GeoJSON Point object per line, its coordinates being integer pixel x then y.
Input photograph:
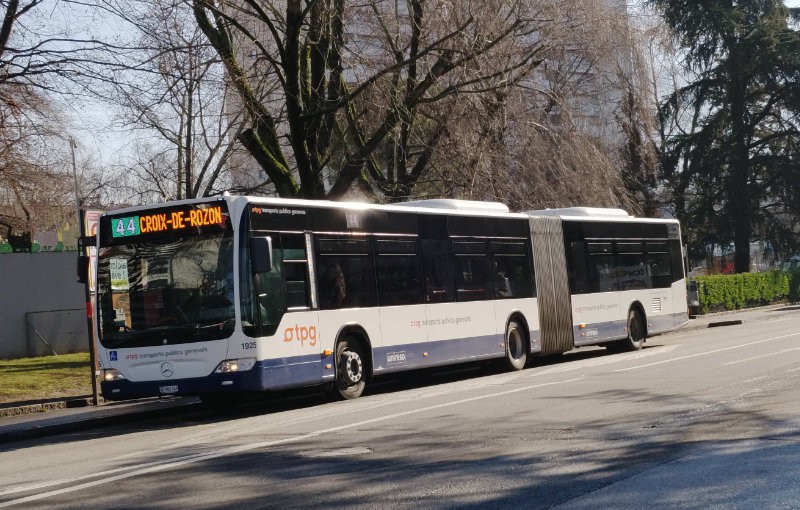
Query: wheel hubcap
{"type": "Point", "coordinates": [353, 367]}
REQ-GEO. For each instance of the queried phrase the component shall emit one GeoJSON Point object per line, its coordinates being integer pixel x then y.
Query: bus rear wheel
{"type": "Point", "coordinates": [516, 346]}
{"type": "Point", "coordinates": [350, 369]}
{"type": "Point", "coordinates": [636, 334]}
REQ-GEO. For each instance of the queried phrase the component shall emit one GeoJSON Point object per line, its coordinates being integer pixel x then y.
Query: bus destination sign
{"type": "Point", "coordinates": [170, 221]}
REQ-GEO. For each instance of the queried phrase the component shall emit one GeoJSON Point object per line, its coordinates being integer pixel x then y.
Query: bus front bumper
{"type": "Point", "coordinates": [124, 389]}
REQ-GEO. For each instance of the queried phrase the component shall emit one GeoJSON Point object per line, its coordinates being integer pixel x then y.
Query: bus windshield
{"type": "Point", "coordinates": [166, 290]}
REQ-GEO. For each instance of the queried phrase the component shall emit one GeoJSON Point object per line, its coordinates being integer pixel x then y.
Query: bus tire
{"type": "Point", "coordinates": [350, 369]}
{"type": "Point", "coordinates": [516, 346]}
{"type": "Point", "coordinates": [636, 332]}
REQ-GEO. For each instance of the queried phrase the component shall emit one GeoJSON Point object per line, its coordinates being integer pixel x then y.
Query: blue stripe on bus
{"type": "Point", "coordinates": [595, 333]}
{"type": "Point", "coordinates": [281, 373]}
{"type": "Point", "coordinates": [428, 354]}
{"type": "Point", "coordinates": [289, 372]}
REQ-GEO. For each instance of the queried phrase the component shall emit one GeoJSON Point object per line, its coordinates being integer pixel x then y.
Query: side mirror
{"type": "Point", "coordinates": [261, 254]}
{"type": "Point", "coordinates": [83, 269]}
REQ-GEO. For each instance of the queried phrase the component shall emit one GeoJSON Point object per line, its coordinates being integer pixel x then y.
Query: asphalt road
{"type": "Point", "coordinates": [698, 419]}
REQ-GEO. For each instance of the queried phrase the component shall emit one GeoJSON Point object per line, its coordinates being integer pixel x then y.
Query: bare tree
{"type": "Point", "coordinates": [42, 51]}
{"type": "Point", "coordinates": [33, 186]}
{"type": "Point", "coordinates": [171, 97]}
{"type": "Point", "coordinates": [48, 45]}
{"type": "Point", "coordinates": [341, 95]}
{"type": "Point", "coordinates": [553, 139]}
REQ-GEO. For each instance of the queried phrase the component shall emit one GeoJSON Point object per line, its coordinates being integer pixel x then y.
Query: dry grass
{"type": "Point", "coordinates": [46, 377]}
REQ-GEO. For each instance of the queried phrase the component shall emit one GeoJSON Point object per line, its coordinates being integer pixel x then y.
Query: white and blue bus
{"type": "Point", "coordinates": [236, 294]}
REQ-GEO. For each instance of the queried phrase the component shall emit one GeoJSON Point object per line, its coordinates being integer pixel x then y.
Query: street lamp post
{"type": "Point", "coordinates": [73, 146]}
{"type": "Point", "coordinates": [87, 293]}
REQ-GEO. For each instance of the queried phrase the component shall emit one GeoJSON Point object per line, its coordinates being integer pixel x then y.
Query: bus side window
{"type": "Point", "coordinates": [631, 270]}
{"type": "Point", "coordinates": [346, 272]}
{"type": "Point", "coordinates": [471, 271]}
{"type": "Point", "coordinates": [437, 271]}
{"type": "Point", "coordinates": [332, 283]}
{"type": "Point", "coordinates": [658, 263]}
{"type": "Point", "coordinates": [295, 270]}
{"type": "Point", "coordinates": [271, 297]}
{"type": "Point", "coordinates": [579, 280]}
{"type": "Point", "coordinates": [511, 269]}
{"type": "Point", "coordinates": [602, 265]}
{"type": "Point", "coordinates": [398, 274]}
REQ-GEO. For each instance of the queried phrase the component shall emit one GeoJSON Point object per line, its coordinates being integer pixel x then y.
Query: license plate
{"type": "Point", "coordinates": [167, 390]}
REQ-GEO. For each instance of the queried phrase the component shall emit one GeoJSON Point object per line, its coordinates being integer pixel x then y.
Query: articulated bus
{"type": "Point", "coordinates": [221, 296]}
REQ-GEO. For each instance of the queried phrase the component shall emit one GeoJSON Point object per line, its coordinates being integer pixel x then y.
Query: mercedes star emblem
{"type": "Point", "coordinates": [167, 369]}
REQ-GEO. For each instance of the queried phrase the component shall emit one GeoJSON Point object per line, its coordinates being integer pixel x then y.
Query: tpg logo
{"type": "Point", "coordinates": [301, 334]}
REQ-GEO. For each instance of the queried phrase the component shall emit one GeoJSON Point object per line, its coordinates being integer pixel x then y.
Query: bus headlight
{"type": "Point", "coordinates": [112, 374]}
{"type": "Point", "coordinates": [235, 365]}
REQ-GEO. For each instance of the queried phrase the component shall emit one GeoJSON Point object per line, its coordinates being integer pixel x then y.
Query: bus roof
{"type": "Point", "coordinates": [595, 213]}
{"type": "Point", "coordinates": [458, 205]}
{"type": "Point", "coordinates": [440, 206]}
{"type": "Point", "coordinates": [434, 206]}
{"type": "Point", "coordinates": [582, 212]}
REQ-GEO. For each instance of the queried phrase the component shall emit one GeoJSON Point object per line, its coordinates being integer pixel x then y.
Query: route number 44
{"type": "Point", "coordinates": [124, 227]}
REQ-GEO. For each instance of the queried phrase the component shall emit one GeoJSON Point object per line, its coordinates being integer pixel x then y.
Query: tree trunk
{"type": "Point", "coordinates": [740, 193]}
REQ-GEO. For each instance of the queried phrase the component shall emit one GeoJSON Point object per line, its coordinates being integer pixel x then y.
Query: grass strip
{"type": "Point", "coordinates": [45, 377]}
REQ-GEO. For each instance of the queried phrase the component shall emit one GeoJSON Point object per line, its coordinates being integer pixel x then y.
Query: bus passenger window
{"type": "Point", "coordinates": [333, 287]}
{"type": "Point", "coordinates": [603, 267]}
{"type": "Point", "coordinates": [346, 273]}
{"type": "Point", "coordinates": [398, 272]}
{"type": "Point", "coordinates": [579, 280]}
{"type": "Point", "coordinates": [438, 271]}
{"type": "Point", "coordinates": [631, 267]}
{"type": "Point", "coordinates": [471, 270]}
{"type": "Point", "coordinates": [658, 264]}
{"type": "Point", "coordinates": [295, 270]}
{"type": "Point", "coordinates": [472, 279]}
{"type": "Point", "coordinates": [511, 270]}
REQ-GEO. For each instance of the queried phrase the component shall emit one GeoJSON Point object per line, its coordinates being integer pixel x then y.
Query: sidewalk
{"type": "Point", "coordinates": [65, 419]}
{"type": "Point", "coordinates": [30, 420]}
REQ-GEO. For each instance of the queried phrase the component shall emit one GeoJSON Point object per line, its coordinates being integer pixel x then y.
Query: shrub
{"type": "Point", "coordinates": [735, 291]}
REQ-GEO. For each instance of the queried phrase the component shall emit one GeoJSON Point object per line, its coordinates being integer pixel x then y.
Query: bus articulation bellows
{"type": "Point", "coordinates": [225, 295]}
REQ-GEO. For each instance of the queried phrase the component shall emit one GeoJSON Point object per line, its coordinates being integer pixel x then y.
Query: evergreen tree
{"type": "Point", "coordinates": [733, 168]}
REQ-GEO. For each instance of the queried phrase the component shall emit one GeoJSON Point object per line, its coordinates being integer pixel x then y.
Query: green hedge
{"type": "Point", "coordinates": [735, 291]}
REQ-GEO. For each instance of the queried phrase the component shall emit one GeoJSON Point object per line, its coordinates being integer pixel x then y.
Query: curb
{"type": "Point", "coordinates": [705, 321]}
{"type": "Point", "coordinates": [724, 323]}
{"type": "Point", "coordinates": [103, 415]}
{"type": "Point", "coordinates": [765, 308]}
{"type": "Point", "coordinates": [20, 409]}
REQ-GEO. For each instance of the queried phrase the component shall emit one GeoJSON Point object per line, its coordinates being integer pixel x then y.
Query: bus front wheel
{"type": "Point", "coordinates": [516, 346]}
{"type": "Point", "coordinates": [350, 369]}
